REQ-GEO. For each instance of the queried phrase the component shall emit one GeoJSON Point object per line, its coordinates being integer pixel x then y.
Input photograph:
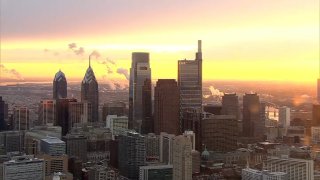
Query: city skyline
{"type": "Point", "coordinates": [278, 39]}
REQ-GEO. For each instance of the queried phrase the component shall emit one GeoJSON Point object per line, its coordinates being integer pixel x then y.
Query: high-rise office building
{"type": "Point", "coordinates": [90, 92]}
{"type": "Point", "coordinates": [117, 124]}
{"type": "Point", "coordinates": [113, 108]}
{"type": "Point", "coordinates": [230, 105]}
{"type": "Point", "coordinates": [47, 112]}
{"type": "Point", "coordinates": [140, 72]}
{"type": "Point", "coordinates": [63, 115]}
{"type": "Point", "coordinates": [316, 115]}
{"type": "Point", "coordinates": [55, 164]}
{"type": "Point", "coordinates": [152, 147]}
{"type": "Point", "coordinates": [251, 115]}
{"type": "Point", "coordinates": [59, 86]}
{"type": "Point", "coordinates": [295, 168]}
{"type": "Point", "coordinates": [182, 158]}
{"type": "Point", "coordinates": [166, 107]}
{"type": "Point", "coordinates": [147, 119]}
{"type": "Point", "coordinates": [24, 167]}
{"type": "Point", "coordinates": [284, 116]}
{"type": "Point", "coordinates": [21, 120]}
{"type": "Point", "coordinates": [166, 145]}
{"type": "Point", "coordinates": [192, 122]}
{"type": "Point", "coordinates": [219, 132]}
{"type": "Point", "coordinates": [53, 146]}
{"type": "Point", "coordinates": [190, 83]}
{"type": "Point", "coordinates": [3, 114]}
{"type": "Point", "coordinates": [76, 146]}
{"type": "Point", "coordinates": [79, 113]}
{"type": "Point", "coordinates": [132, 154]}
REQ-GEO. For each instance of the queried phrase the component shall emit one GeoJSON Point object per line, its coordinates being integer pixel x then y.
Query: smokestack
{"type": "Point", "coordinates": [199, 46]}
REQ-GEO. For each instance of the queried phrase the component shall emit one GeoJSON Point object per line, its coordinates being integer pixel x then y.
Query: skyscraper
{"type": "Point", "coordinates": [140, 72]}
{"type": "Point", "coordinates": [90, 92]}
{"type": "Point", "coordinates": [230, 105]}
{"type": "Point", "coordinates": [59, 85]}
{"type": "Point", "coordinates": [63, 115]}
{"type": "Point", "coordinates": [21, 120]}
{"type": "Point", "coordinates": [147, 119]}
{"type": "Point", "coordinates": [251, 114]}
{"type": "Point", "coordinates": [190, 83]}
{"type": "Point", "coordinates": [166, 107]}
{"type": "Point", "coordinates": [318, 93]}
{"type": "Point", "coordinates": [47, 112]}
{"type": "Point", "coordinates": [3, 114]}
{"type": "Point", "coordinates": [132, 154]}
{"type": "Point", "coordinates": [79, 113]}
{"type": "Point", "coordinates": [182, 159]}
{"type": "Point", "coordinates": [284, 116]}
{"type": "Point", "coordinates": [316, 115]}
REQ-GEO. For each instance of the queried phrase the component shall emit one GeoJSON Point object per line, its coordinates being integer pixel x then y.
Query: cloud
{"type": "Point", "coordinates": [124, 72]}
{"type": "Point", "coordinates": [95, 54]}
{"type": "Point", "coordinates": [215, 92]}
{"type": "Point", "coordinates": [111, 61]}
{"type": "Point", "coordinates": [11, 72]}
{"type": "Point", "coordinates": [72, 46]}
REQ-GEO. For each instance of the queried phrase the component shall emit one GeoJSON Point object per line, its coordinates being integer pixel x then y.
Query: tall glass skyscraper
{"type": "Point", "coordinates": [140, 74]}
{"type": "Point", "coordinates": [90, 92]}
{"type": "Point", "coordinates": [190, 83]}
{"type": "Point", "coordinates": [59, 86]}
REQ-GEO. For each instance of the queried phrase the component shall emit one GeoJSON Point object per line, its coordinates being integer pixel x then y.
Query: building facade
{"type": "Point", "coordinates": [90, 92]}
{"type": "Point", "coordinates": [230, 105]}
{"type": "Point", "coordinates": [140, 72]}
{"type": "Point", "coordinates": [3, 114]}
{"type": "Point", "coordinates": [166, 107]}
{"type": "Point", "coordinates": [182, 158]}
{"type": "Point", "coordinates": [190, 83]}
{"type": "Point", "coordinates": [251, 115]}
{"type": "Point", "coordinates": [21, 120]}
{"type": "Point", "coordinates": [156, 172]}
{"type": "Point", "coordinates": [47, 112]}
{"type": "Point", "coordinates": [59, 86]}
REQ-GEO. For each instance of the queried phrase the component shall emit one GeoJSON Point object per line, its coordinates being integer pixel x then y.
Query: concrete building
{"type": "Point", "coordinates": [117, 124]}
{"type": "Point", "coordinates": [3, 114]}
{"type": "Point", "coordinates": [284, 116]}
{"type": "Point", "coordinates": [24, 167]}
{"type": "Point", "coordinates": [152, 147]}
{"type": "Point", "coordinates": [12, 141]}
{"type": "Point", "coordinates": [219, 132]}
{"type": "Point", "coordinates": [90, 92]}
{"type": "Point", "coordinates": [166, 145]}
{"type": "Point", "coordinates": [190, 83]}
{"type": "Point", "coordinates": [166, 107]}
{"type": "Point", "coordinates": [59, 86]}
{"type": "Point", "coordinates": [21, 120]}
{"type": "Point", "coordinates": [54, 164]}
{"type": "Point", "coordinates": [53, 146]}
{"type": "Point", "coordinates": [140, 72]}
{"type": "Point", "coordinates": [156, 172]}
{"type": "Point", "coordinates": [251, 116]}
{"type": "Point", "coordinates": [47, 112]}
{"type": "Point", "coordinates": [250, 174]}
{"type": "Point", "coordinates": [113, 108]}
{"type": "Point", "coordinates": [298, 169]}
{"type": "Point", "coordinates": [76, 146]}
{"type": "Point", "coordinates": [230, 105]}
{"type": "Point", "coordinates": [315, 134]}
{"type": "Point", "coordinates": [79, 113]}
{"type": "Point", "coordinates": [132, 154]}
{"type": "Point", "coordinates": [182, 158]}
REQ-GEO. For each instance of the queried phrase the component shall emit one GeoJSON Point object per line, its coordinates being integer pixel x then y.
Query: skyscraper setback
{"type": "Point", "coordinates": [89, 91]}
{"type": "Point", "coordinates": [140, 72]}
{"type": "Point", "coordinates": [190, 83]}
{"type": "Point", "coordinates": [59, 85]}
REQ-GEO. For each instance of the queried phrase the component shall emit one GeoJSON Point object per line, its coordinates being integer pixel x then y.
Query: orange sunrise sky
{"type": "Point", "coordinates": [269, 40]}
